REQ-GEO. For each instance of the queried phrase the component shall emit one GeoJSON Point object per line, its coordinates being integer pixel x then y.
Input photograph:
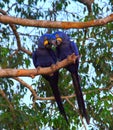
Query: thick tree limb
{"type": "Point", "coordinates": [55, 24]}
{"type": "Point", "coordinates": [33, 72]}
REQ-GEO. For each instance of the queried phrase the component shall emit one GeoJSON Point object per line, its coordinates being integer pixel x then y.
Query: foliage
{"type": "Point", "coordinates": [96, 48]}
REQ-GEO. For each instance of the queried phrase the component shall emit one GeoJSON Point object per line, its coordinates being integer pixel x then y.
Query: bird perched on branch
{"type": "Point", "coordinates": [65, 47]}
{"type": "Point", "coordinates": [44, 56]}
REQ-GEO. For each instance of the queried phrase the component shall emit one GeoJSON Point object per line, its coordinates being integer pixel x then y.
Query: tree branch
{"type": "Point", "coordinates": [46, 70]}
{"type": "Point", "coordinates": [40, 70]}
{"type": "Point", "coordinates": [13, 27]}
{"type": "Point", "coordinates": [34, 94]}
{"type": "Point", "coordinates": [88, 3]}
{"type": "Point", "coordinates": [55, 24]}
{"type": "Point", "coordinates": [2, 93]}
{"type": "Point", "coordinates": [74, 95]}
{"type": "Point", "coordinates": [76, 111]}
{"type": "Point", "coordinates": [26, 51]}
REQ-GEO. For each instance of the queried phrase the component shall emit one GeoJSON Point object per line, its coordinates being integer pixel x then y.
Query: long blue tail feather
{"type": "Point", "coordinates": [53, 81]}
{"type": "Point", "coordinates": [79, 96]}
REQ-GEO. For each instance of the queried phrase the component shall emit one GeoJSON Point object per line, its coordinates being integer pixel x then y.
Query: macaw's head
{"type": "Point", "coordinates": [45, 41]}
{"type": "Point", "coordinates": [59, 37]}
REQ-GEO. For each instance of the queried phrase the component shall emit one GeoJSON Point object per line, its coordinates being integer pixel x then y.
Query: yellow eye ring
{"type": "Point", "coordinates": [59, 39]}
{"type": "Point", "coordinates": [46, 42]}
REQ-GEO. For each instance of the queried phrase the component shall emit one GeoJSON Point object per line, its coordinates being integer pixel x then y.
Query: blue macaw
{"type": "Point", "coordinates": [65, 47]}
{"type": "Point", "coordinates": [44, 56]}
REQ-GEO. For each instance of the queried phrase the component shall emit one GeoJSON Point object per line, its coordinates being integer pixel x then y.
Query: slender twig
{"type": "Point", "coordinates": [2, 93]}
{"type": "Point", "coordinates": [71, 104]}
{"type": "Point", "coordinates": [26, 51]}
{"type": "Point", "coordinates": [76, 111]}
{"type": "Point", "coordinates": [29, 87]}
{"type": "Point", "coordinates": [74, 95]}
{"type": "Point", "coordinates": [13, 27]}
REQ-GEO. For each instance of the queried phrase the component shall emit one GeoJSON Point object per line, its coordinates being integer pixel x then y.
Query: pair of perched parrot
{"type": "Point", "coordinates": [44, 56]}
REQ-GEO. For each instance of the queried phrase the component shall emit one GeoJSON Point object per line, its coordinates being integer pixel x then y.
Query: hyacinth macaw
{"type": "Point", "coordinates": [44, 56]}
{"type": "Point", "coordinates": [65, 47]}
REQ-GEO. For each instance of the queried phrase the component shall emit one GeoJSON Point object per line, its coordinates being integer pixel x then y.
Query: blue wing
{"type": "Point", "coordinates": [74, 48]}
{"type": "Point", "coordinates": [43, 57]}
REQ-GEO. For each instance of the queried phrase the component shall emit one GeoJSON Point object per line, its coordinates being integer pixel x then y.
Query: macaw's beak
{"type": "Point", "coordinates": [58, 42]}
{"type": "Point", "coordinates": [49, 45]}
{"type": "Point", "coordinates": [54, 42]}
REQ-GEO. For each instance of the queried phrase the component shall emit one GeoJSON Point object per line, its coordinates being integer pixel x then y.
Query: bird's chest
{"type": "Point", "coordinates": [44, 58]}
{"type": "Point", "coordinates": [64, 51]}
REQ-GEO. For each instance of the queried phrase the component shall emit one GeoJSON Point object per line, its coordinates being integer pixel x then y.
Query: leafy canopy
{"type": "Point", "coordinates": [96, 48]}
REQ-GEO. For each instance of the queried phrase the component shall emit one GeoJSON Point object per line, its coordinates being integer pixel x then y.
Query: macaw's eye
{"type": "Point", "coordinates": [46, 42]}
{"type": "Point", "coordinates": [59, 40]}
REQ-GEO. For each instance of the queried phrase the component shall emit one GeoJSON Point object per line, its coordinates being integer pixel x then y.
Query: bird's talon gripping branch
{"type": "Point", "coordinates": [53, 67]}
{"type": "Point", "coordinates": [69, 58]}
{"type": "Point", "coordinates": [74, 57]}
{"type": "Point", "coordinates": [57, 63]}
{"type": "Point", "coordinates": [32, 76]}
{"type": "Point", "coordinates": [38, 68]}
{"type": "Point", "coordinates": [51, 74]}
